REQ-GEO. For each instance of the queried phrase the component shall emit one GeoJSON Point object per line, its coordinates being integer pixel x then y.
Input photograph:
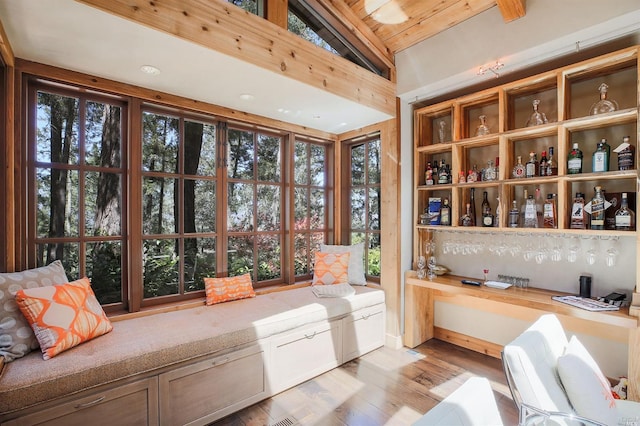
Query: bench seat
{"type": "Point", "coordinates": [149, 343]}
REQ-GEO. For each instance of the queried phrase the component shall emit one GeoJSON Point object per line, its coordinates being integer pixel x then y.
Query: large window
{"type": "Point", "coordinates": [77, 179]}
{"type": "Point", "coordinates": [178, 204]}
{"type": "Point", "coordinates": [254, 208]}
{"type": "Point", "coordinates": [188, 197]}
{"type": "Point", "coordinates": [363, 200]}
{"type": "Point", "coordinates": [310, 203]}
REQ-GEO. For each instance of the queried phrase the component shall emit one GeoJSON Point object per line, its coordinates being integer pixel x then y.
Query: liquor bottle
{"type": "Point", "coordinates": [552, 167]}
{"type": "Point", "coordinates": [597, 210]}
{"type": "Point", "coordinates": [443, 177]}
{"type": "Point", "coordinates": [496, 220]}
{"type": "Point", "coordinates": [600, 162]}
{"type": "Point", "coordinates": [604, 104]}
{"type": "Point", "coordinates": [578, 213]}
{"type": "Point", "coordinates": [530, 213]}
{"type": "Point", "coordinates": [550, 212]}
{"type": "Point", "coordinates": [574, 165]}
{"type": "Point", "coordinates": [435, 172]}
{"type": "Point", "coordinates": [531, 168]}
{"type": "Point", "coordinates": [523, 207]}
{"type": "Point", "coordinates": [518, 169]}
{"type": "Point", "coordinates": [466, 220]}
{"type": "Point", "coordinates": [626, 154]}
{"type": "Point", "coordinates": [537, 117]}
{"type": "Point", "coordinates": [514, 215]}
{"type": "Point", "coordinates": [625, 217]}
{"type": "Point", "coordinates": [489, 173]}
{"type": "Point", "coordinates": [497, 167]}
{"type": "Point", "coordinates": [462, 177]}
{"type": "Point", "coordinates": [472, 201]}
{"type": "Point", "coordinates": [428, 175]}
{"type": "Point", "coordinates": [473, 176]}
{"type": "Point", "coordinates": [445, 213]}
{"type": "Point", "coordinates": [487, 217]}
{"type": "Point", "coordinates": [539, 207]}
{"type": "Point", "coordinates": [543, 164]}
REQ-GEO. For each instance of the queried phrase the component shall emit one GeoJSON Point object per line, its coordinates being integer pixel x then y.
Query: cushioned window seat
{"type": "Point", "coordinates": [150, 343]}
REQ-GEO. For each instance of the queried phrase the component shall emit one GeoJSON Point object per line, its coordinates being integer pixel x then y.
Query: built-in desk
{"type": "Point", "coordinates": [520, 303]}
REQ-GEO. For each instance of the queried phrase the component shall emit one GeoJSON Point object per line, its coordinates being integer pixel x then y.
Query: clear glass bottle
{"type": "Point", "coordinates": [542, 167]}
{"type": "Point", "coordinates": [487, 217]}
{"type": "Point", "coordinates": [600, 159]}
{"type": "Point", "coordinates": [597, 210]}
{"type": "Point", "coordinates": [441, 131]}
{"type": "Point", "coordinates": [550, 212]}
{"type": "Point", "coordinates": [552, 167]}
{"type": "Point", "coordinates": [625, 217]}
{"type": "Point", "coordinates": [531, 168]}
{"type": "Point", "coordinates": [496, 220]}
{"type": "Point", "coordinates": [518, 169]}
{"type": "Point", "coordinates": [523, 206]}
{"type": "Point", "coordinates": [445, 213]}
{"type": "Point", "coordinates": [574, 163]}
{"type": "Point", "coordinates": [514, 215]}
{"type": "Point", "coordinates": [537, 118]}
{"type": "Point", "coordinates": [626, 154]}
{"type": "Point", "coordinates": [482, 129]}
{"type": "Point", "coordinates": [530, 213]}
{"type": "Point", "coordinates": [489, 173]}
{"type": "Point", "coordinates": [604, 104]}
{"type": "Point", "coordinates": [578, 213]}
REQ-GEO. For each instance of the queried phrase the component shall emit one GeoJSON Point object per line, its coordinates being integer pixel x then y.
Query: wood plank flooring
{"type": "Point", "coordinates": [384, 387]}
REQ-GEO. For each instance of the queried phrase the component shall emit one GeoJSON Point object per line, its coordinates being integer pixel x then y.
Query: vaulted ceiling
{"type": "Point", "coordinates": [402, 23]}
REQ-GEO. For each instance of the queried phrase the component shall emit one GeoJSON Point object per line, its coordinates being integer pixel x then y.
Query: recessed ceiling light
{"type": "Point", "coordinates": [247, 97]}
{"type": "Point", "coordinates": [317, 117]}
{"type": "Point", "coordinates": [343, 124]}
{"type": "Point", "coordinates": [150, 69]}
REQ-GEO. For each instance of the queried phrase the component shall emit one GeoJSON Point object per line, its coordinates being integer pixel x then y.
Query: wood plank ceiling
{"type": "Point", "coordinates": [402, 23]}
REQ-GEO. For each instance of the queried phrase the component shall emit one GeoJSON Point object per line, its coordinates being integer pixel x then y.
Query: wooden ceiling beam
{"type": "Point", "coordinates": [512, 9]}
{"type": "Point", "coordinates": [223, 27]}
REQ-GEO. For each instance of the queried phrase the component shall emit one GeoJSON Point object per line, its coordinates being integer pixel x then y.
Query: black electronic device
{"type": "Point", "coordinates": [471, 282]}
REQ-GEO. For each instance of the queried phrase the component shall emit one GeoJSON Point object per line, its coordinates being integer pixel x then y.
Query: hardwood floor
{"type": "Point", "coordinates": [384, 387]}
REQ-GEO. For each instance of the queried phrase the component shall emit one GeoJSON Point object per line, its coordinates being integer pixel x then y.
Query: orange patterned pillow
{"type": "Point", "coordinates": [63, 316]}
{"type": "Point", "coordinates": [228, 288]}
{"type": "Point", "coordinates": [331, 268]}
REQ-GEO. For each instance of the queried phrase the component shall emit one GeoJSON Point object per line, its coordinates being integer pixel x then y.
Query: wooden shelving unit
{"type": "Point", "coordinates": [447, 131]}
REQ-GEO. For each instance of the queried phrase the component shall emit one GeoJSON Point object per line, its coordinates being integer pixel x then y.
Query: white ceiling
{"type": "Point", "coordinates": [450, 60]}
{"type": "Point", "coordinates": [74, 36]}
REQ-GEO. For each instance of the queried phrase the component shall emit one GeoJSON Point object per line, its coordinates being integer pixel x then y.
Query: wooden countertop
{"type": "Point", "coordinates": [530, 297]}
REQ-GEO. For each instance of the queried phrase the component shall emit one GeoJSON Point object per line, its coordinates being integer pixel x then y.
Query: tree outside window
{"type": "Point", "coordinates": [363, 222]}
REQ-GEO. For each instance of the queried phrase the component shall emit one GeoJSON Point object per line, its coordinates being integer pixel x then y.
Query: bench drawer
{"type": "Point", "coordinates": [132, 404]}
{"type": "Point", "coordinates": [305, 353]}
{"type": "Point", "coordinates": [207, 390]}
{"type": "Point", "coordinates": [362, 332]}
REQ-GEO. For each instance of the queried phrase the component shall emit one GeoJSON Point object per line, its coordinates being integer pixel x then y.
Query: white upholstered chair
{"type": "Point", "coordinates": [471, 404]}
{"type": "Point", "coordinates": [554, 380]}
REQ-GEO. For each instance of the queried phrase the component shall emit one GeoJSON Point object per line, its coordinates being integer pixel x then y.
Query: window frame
{"type": "Point", "coordinates": [132, 236]}
{"type": "Point", "coordinates": [346, 211]}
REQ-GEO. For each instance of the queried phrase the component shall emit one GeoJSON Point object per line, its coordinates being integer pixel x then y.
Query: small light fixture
{"type": "Point", "coordinates": [493, 68]}
{"type": "Point", "coordinates": [316, 117]}
{"type": "Point", "coordinates": [150, 69]}
{"type": "Point", "coordinates": [247, 97]}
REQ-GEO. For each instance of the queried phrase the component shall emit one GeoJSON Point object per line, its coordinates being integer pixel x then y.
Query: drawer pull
{"type": "Point", "coordinates": [220, 361]}
{"type": "Point", "coordinates": [366, 317]}
{"type": "Point", "coordinates": [90, 403]}
{"type": "Point", "coordinates": [310, 337]}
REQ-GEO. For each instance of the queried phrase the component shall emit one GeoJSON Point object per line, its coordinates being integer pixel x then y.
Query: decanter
{"type": "Point", "coordinates": [537, 118]}
{"type": "Point", "coordinates": [490, 172]}
{"type": "Point", "coordinates": [483, 129]}
{"type": "Point", "coordinates": [441, 131]}
{"type": "Point", "coordinates": [604, 104]}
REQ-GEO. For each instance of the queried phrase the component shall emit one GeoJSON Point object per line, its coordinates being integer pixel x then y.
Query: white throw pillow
{"type": "Point", "coordinates": [588, 389]}
{"type": "Point", "coordinates": [356, 261]}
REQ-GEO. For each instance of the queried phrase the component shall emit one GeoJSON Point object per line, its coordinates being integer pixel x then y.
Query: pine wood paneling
{"type": "Point", "coordinates": [228, 29]}
{"type": "Point", "coordinates": [511, 9]}
{"type": "Point", "coordinates": [277, 12]}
